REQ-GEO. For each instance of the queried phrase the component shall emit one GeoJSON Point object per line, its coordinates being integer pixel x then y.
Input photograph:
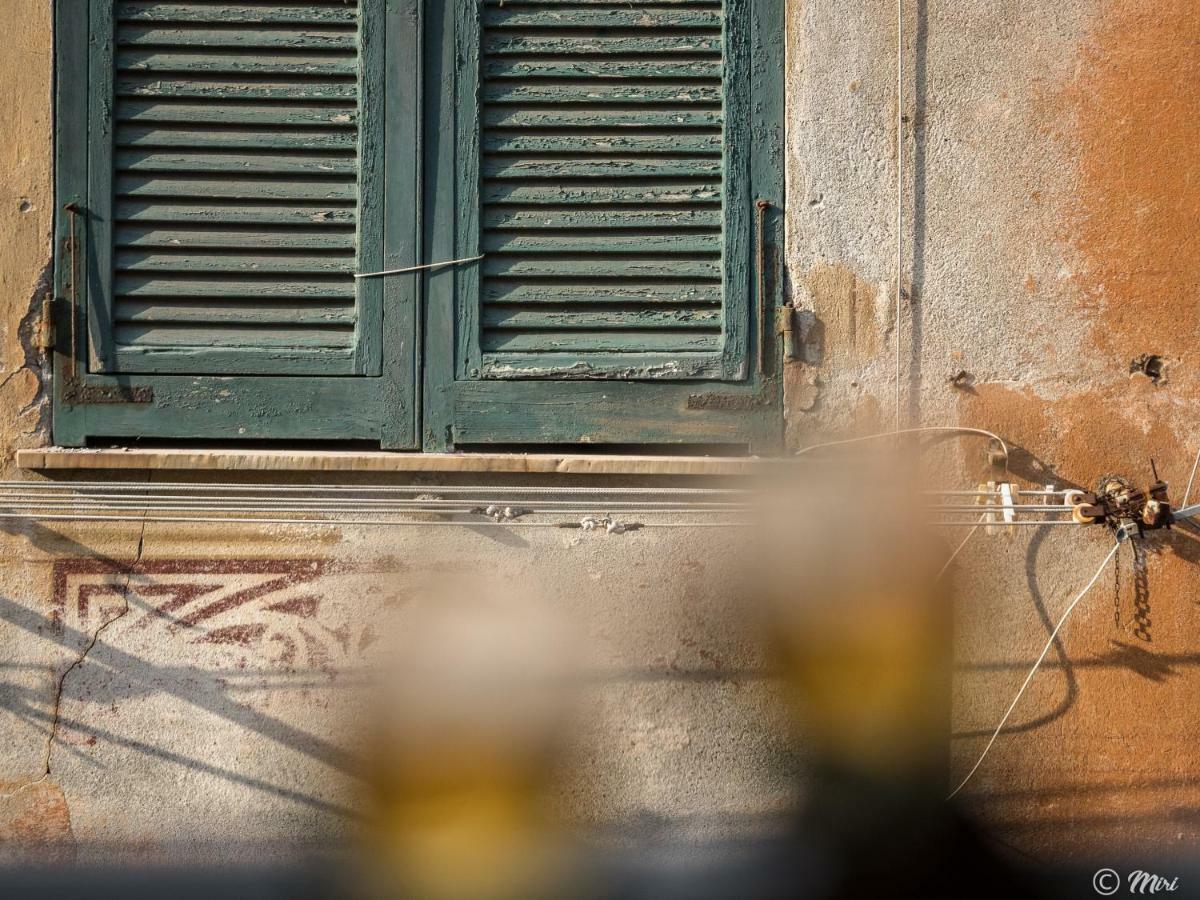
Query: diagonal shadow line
{"type": "Point", "coordinates": [1153, 666]}
{"type": "Point", "coordinates": [55, 543]}
{"type": "Point", "coordinates": [1064, 661]}
{"type": "Point", "coordinates": [31, 713]}
{"type": "Point", "coordinates": [187, 685]}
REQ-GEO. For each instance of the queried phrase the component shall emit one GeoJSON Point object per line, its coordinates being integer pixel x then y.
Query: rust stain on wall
{"type": "Point", "coordinates": [1080, 437]}
{"type": "Point", "coordinates": [36, 817]}
{"type": "Point", "coordinates": [845, 305]}
{"type": "Point", "coordinates": [1131, 118]}
{"type": "Point", "coordinates": [1137, 116]}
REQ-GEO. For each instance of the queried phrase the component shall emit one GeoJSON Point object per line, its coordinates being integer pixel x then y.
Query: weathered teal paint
{"type": "Point", "coordinates": [277, 273]}
{"type": "Point", "coordinates": [229, 187]}
{"type": "Point", "coordinates": [611, 188]}
{"type": "Point", "coordinates": [578, 55]}
{"type": "Point", "coordinates": [608, 173]}
{"type": "Point", "coordinates": [402, 98]}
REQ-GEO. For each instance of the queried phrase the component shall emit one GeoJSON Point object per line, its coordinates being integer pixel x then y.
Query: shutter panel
{"type": "Point", "coordinates": [605, 157]}
{"type": "Point", "coordinates": [236, 190]}
{"type": "Point", "coordinates": [601, 189]}
{"type": "Point", "coordinates": [221, 174]}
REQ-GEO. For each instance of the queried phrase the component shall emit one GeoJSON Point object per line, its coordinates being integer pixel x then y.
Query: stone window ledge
{"type": "Point", "coordinates": [60, 459]}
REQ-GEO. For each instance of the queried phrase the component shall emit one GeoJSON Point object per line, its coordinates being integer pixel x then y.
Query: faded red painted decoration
{"type": "Point", "coordinates": [240, 603]}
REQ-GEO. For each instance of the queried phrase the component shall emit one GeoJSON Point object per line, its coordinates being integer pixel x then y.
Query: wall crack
{"type": "Point", "coordinates": [77, 663]}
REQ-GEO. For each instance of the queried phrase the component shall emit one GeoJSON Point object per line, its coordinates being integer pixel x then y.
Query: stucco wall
{"type": "Point", "coordinates": [1050, 210]}
{"type": "Point", "coordinates": [1051, 207]}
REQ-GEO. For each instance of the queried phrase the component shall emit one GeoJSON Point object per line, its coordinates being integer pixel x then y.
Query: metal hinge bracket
{"type": "Point", "coordinates": [45, 326]}
{"type": "Point", "coordinates": [786, 328]}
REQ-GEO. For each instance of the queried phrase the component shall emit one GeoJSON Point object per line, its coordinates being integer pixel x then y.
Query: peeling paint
{"type": "Point", "coordinates": [36, 819]}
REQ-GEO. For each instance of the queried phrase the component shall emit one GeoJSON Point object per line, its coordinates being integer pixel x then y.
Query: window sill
{"type": "Point", "coordinates": [66, 459]}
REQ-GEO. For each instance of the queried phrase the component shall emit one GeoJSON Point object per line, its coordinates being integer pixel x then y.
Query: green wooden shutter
{"type": "Point", "coordinates": [237, 167]}
{"type": "Point", "coordinates": [226, 163]}
{"type": "Point", "coordinates": [604, 166]}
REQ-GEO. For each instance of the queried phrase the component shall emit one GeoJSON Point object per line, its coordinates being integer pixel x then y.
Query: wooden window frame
{"type": "Point", "coordinates": [372, 400]}
{"type": "Point", "coordinates": [744, 407]}
{"type": "Point", "coordinates": [424, 397]}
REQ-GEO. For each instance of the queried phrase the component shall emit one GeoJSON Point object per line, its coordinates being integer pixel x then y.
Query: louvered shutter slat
{"type": "Point", "coordinates": [310, 13]}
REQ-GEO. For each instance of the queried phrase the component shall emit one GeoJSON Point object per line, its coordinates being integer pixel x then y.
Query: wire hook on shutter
{"type": "Point", "coordinates": [432, 265]}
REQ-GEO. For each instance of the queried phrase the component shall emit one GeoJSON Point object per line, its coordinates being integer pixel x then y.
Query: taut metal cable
{"type": "Point", "coordinates": [899, 200]}
{"type": "Point", "coordinates": [1191, 480]}
{"type": "Point", "coordinates": [224, 487]}
{"type": "Point", "coordinates": [337, 523]}
{"type": "Point", "coordinates": [345, 504]}
{"type": "Point", "coordinates": [1028, 678]}
{"type": "Point", "coordinates": [957, 550]}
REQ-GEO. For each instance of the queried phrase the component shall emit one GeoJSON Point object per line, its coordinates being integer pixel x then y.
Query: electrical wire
{"type": "Point", "coordinates": [349, 488]}
{"type": "Point", "coordinates": [253, 504]}
{"type": "Point", "coordinates": [1191, 480]}
{"type": "Point", "coordinates": [1036, 523]}
{"type": "Point", "coordinates": [943, 429]}
{"type": "Point", "coordinates": [1033, 671]}
{"type": "Point", "coordinates": [338, 523]}
{"type": "Point", "coordinates": [899, 198]}
{"type": "Point", "coordinates": [113, 488]}
{"type": "Point", "coordinates": [957, 550]}
{"type": "Point", "coordinates": [350, 504]}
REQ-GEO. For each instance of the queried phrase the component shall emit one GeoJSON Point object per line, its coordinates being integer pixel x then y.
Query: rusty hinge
{"type": "Point", "coordinates": [45, 326]}
{"type": "Point", "coordinates": [785, 327]}
{"type": "Point", "coordinates": [75, 391]}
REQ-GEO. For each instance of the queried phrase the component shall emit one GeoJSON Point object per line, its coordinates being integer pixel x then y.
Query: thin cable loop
{"type": "Point", "coordinates": [928, 429]}
{"type": "Point", "coordinates": [1033, 671]}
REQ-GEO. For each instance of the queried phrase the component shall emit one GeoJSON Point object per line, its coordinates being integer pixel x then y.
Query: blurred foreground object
{"type": "Point", "coordinates": [864, 644]}
{"type": "Point", "coordinates": [467, 748]}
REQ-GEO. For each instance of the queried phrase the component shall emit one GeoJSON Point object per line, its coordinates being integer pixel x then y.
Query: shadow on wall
{"type": "Point", "coordinates": [270, 647]}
